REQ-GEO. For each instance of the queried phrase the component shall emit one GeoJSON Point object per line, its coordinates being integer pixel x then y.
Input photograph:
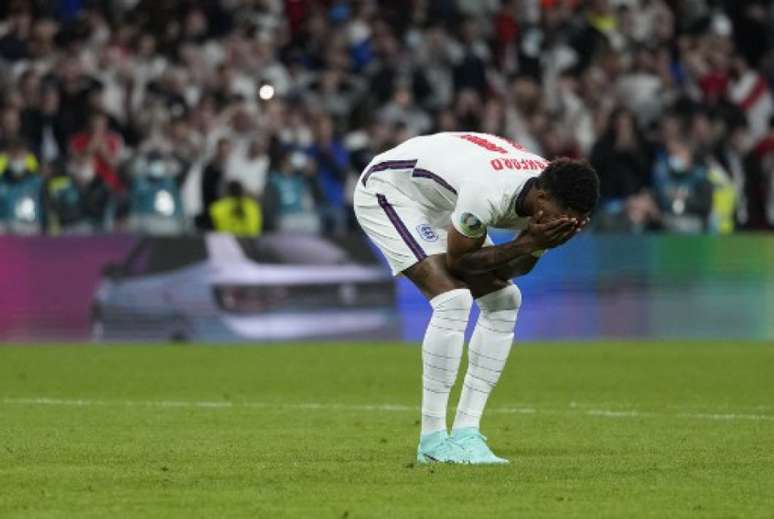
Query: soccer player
{"type": "Point", "coordinates": [427, 204]}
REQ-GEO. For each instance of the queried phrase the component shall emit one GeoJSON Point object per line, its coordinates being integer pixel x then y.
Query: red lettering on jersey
{"type": "Point", "coordinates": [518, 164]}
{"type": "Point", "coordinates": [486, 144]}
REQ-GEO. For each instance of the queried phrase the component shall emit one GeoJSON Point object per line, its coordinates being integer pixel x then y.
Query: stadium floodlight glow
{"type": "Point", "coordinates": [266, 92]}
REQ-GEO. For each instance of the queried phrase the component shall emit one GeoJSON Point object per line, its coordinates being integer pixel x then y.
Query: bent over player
{"type": "Point", "coordinates": [427, 204]}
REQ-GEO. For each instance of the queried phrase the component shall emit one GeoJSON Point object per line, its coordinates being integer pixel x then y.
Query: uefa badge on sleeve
{"type": "Point", "coordinates": [470, 224]}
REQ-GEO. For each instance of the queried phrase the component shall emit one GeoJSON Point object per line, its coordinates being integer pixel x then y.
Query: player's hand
{"type": "Point", "coordinates": [550, 234]}
{"type": "Point", "coordinates": [580, 224]}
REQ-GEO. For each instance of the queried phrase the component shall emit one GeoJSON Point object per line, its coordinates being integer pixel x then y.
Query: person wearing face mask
{"type": "Point", "coordinates": [289, 200]}
{"type": "Point", "coordinates": [77, 200]}
{"type": "Point", "coordinates": [155, 205]}
{"type": "Point", "coordinates": [682, 188]}
{"type": "Point", "coordinates": [17, 161]}
{"type": "Point", "coordinates": [103, 146]}
{"type": "Point", "coordinates": [20, 190]}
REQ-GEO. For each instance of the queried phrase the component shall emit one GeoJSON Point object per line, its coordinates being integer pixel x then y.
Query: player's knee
{"type": "Point", "coordinates": [457, 300]}
{"type": "Point", "coordinates": [505, 299]}
{"type": "Point", "coordinates": [500, 309]}
{"type": "Point", "coordinates": [452, 309]}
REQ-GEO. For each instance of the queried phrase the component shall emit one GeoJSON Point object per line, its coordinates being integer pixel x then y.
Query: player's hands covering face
{"type": "Point", "coordinates": [548, 234]}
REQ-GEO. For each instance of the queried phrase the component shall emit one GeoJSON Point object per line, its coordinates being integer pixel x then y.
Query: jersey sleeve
{"type": "Point", "coordinates": [473, 212]}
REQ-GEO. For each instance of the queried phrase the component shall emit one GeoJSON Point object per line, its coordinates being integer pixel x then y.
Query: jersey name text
{"type": "Point", "coordinates": [515, 163]}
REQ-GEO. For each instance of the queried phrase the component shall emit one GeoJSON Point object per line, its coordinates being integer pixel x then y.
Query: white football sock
{"type": "Point", "coordinates": [441, 354]}
{"type": "Point", "coordinates": [487, 353]}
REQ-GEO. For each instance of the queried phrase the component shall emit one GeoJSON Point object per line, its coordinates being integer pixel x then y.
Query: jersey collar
{"type": "Point", "coordinates": [518, 205]}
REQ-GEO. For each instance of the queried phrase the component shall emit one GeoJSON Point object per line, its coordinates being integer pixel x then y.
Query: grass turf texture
{"type": "Point", "coordinates": [593, 430]}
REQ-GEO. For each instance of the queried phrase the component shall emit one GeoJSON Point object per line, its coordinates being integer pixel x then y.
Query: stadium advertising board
{"type": "Point", "coordinates": [638, 287]}
{"type": "Point", "coordinates": [294, 287]}
{"type": "Point", "coordinates": [206, 288]}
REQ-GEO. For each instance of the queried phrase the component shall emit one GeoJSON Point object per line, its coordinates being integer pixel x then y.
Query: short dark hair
{"type": "Point", "coordinates": [573, 183]}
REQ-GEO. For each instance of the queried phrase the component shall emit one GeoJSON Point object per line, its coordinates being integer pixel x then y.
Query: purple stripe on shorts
{"type": "Point", "coordinates": [389, 164]}
{"type": "Point", "coordinates": [423, 173]}
{"type": "Point", "coordinates": [400, 227]}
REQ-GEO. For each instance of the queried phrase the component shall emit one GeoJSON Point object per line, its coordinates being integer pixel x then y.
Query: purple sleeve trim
{"type": "Point", "coordinates": [423, 173]}
{"type": "Point", "coordinates": [390, 164]}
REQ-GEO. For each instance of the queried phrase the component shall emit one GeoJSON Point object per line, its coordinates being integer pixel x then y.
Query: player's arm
{"type": "Point", "coordinates": [524, 264]}
{"type": "Point", "coordinates": [520, 266]}
{"type": "Point", "coordinates": [467, 256]}
{"type": "Point", "coordinates": [476, 208]}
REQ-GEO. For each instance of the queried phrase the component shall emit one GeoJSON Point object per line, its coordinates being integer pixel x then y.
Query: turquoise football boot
{"type": "Point", "coordinates": [436, 448]}
{"type": "Point", "coordinates": [472, 441]}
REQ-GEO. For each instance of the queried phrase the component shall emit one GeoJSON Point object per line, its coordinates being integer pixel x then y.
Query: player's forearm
{"type": "Point", "coordinates": [518, 267]}
{"type": "Point", "coordinates": [488, 259]}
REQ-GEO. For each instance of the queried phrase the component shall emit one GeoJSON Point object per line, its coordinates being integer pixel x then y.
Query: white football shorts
{"type": "Point", "coordinates": [405, 232]}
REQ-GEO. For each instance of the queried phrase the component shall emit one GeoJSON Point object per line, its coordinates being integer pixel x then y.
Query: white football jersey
{"type": "Point", "coordinates": [472, 180]}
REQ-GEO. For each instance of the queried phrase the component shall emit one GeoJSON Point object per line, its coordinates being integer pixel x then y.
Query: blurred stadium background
{"type": "Point", "coordinates": [172, 119]}
{"type": "Point", "coordinates": [176, 170]}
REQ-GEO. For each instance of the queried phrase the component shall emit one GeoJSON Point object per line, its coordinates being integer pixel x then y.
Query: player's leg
{"type": "Point", "coordinates": [393, 225]}
{"type": "Point", "coordinates": [442, 347]}
{"type": "Point", "coordinates": [444, 337]}
{"type": "Point", "coordinates": [498, 301]}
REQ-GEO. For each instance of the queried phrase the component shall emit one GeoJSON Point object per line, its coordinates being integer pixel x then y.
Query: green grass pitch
{"type": "Point", "coordinates": [593, 430]}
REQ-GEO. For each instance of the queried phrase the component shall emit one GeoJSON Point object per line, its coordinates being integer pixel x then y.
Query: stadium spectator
{"type": "Point", "coordinates": [682, 187]}
{"type": "Point", "coordinates": [14, 43]}
{"type": "Point", "coordinates": [154, 199]}
{"type": "Point", "coordinates": [332, 166]}
{"type": "Point", "coordinates": [212, 180]}
{"type": "Point", "coordinates": [16, 161]}
{"type": "Point", "coordinates": [745, 170]}
{"type": "Point", "coordinates": [289, 202]}
{"type": "Point", "coordinates": [178, 78]}
{"type": "Point", "coordinates": [764, 188]}
{"type": "Point", "coordinates": [77, 200]}
{"type": "Point", "coordinates": [750, 92]}
{"type": "Point", "coordinates": [250, 168]}
{"type": "Point", "coordinates": [103, 147]}
{"type": "Point", "coordinates": [236, 213]}
{"type": "Point", "coordinates": [622, 165]}
{"type": "Point", "coordinates": [21, 207]}
{"type": "Point", "coordinates": [10, 125]}
{"type": "Point", "coordinates": [43, 128]}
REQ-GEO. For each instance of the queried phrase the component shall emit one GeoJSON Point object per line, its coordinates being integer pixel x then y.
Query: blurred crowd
{"type": "Point", "coordinates": [171, 116]}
